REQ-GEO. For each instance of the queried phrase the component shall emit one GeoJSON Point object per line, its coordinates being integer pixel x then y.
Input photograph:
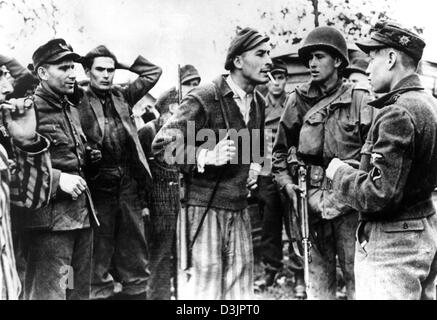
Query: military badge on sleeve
{"type": "Point", "coordinates": [375, 173]}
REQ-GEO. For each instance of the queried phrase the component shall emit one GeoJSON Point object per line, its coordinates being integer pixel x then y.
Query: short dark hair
{"type": "Point", "coordinates": [87, 63]}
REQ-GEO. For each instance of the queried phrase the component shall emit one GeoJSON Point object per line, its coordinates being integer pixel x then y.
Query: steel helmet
{"type": "Point", "coordinates": [328, 38]}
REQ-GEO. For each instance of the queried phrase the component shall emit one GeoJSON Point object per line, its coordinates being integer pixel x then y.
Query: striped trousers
{"type": "Point", "coordinates": [221, 258]}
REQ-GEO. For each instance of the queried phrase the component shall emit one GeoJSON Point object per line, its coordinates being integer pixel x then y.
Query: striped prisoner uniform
{"type": "Point", "coordinates": [27, 186]}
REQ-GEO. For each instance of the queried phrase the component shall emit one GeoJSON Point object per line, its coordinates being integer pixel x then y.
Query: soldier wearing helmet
{"type": "Point", "coordinates": [323, 119]}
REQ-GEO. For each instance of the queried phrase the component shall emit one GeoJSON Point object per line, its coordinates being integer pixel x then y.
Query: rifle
{"type": "Point", "coordinates": [183, 254]}
{"type": "Point", "coordinates": [298, 227]}
{"type": "Point", "coordinates": [303, 210]}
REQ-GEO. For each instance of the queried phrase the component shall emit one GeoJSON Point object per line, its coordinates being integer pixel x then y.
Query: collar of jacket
{"type": "Point", "coordinates": [409, 83]}
{"type": "Point", "coordinates": [225, 90]}
{"type": "Point", "coordinates": [279, 103]}
{"type": "Point", "coordinates": [52, 98]}
{"type": "Point", "coordinates": [311, 92]}
{"type": "Point", "coordinates": [103, 95]}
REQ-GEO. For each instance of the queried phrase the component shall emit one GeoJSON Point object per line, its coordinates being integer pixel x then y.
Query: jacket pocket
{"type": "Point", "coordinates": [312, 133]}
{"type": "Point", "coordinates": [55, 133]}
{"type": "Point", "coordinates": [403, 226]}
{"type": "Point", "coordinates": [349, 126]}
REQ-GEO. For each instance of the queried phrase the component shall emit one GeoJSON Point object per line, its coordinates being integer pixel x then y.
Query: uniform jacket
{"type": "Point", "coordinates": [273, 114]}
{"type": "Point", "coordinates": [92, 117]}
{"type": "Point", "coordinates": [58, 121]}
{"type": "Point", "coordinates": [321, 127]}
{"type": "Point", "coordinates": [202, 108]}
{"type": "Point", "coordinates": [398, 169]}
{"type": "Point", "coordinates": [345, 124]}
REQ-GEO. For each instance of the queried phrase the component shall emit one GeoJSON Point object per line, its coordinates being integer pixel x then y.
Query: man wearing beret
{"type": "Point", "coordinates": [119, 181]}
{"type": "Point", "coordinates": [323, 119]}
{"type": "Point", "coordinates": [396, 248]}
{"type": "Point", "coordinates": [215, 235]}
{"type": "Point", "coordinates": [60, 244]}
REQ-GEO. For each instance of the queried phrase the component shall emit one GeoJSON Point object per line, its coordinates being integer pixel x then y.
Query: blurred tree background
{"type": "Point", "coordinates": [291, 20]}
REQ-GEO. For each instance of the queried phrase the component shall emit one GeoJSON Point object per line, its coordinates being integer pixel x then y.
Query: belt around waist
{"type": "Point", "coordinates": [418, 210]}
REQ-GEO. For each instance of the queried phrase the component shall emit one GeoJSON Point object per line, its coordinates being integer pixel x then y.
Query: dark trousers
{"type": "Point", "coordinates": [120, 247]}
{"type": "Point", "coordinates": [335, 238]}
{"type": "Point", "coordinates": [162, 265]}
{"type": "Point", "coordinates": [59, 265]}
{"type": "Point", "coordinates": [272, 212]}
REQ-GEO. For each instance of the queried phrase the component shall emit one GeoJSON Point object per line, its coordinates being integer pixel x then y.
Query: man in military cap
{"type": "Point", "coordinates": [323, 119]}
{"type": "Point", "coordinates": [396, 248]}
{"type": "Point", "coordinates": [269, 197]}
{"type": "Point", "coordinates": [60, 244]}
{"type": "Point", "coordinates": [356, 72]}
{"type": "Point", "coordinates": [190, 78]}
{"type": "Point", "coordinates": [119, 181]}
{"type": "Point", "coordinates": [219, 257]}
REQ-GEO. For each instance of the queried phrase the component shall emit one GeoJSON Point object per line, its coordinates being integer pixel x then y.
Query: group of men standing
{"type": "Point", "coordinates": [371, 168]}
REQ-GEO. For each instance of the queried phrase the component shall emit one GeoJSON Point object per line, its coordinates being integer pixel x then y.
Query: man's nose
{"type": "Point", "coordinates": [5, 86]}
{"type": "Point", "coordinates": [269, 61]}
{"type": "Point", "coordinates": [72, 75]}
{"type": "Point", "coordinates": [312, 61]}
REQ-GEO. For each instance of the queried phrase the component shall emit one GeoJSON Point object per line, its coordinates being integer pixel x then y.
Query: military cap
{"type": "Point", "coordinates": [279, 66]}
{"type": "Point", "coordinates": [188, 73]}
{"type": "Point", "coordinates": [357, 65]}
{"type": "Point", "coordinates": [99, 51]}
{"type": "Point", "coordinates": [53, 51]}
{"type": "Point", "coordinates": [390, 34]}
{"type": "Point", "coordinates": [245, 40]}
{"type": "Point", "coordinates": [166, 99]}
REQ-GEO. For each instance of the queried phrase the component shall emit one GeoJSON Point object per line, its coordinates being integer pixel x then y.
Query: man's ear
{"type": "Point", "coordinates": [337, 62]}
{"type": "Point", "coordinates": [238, 62]}
{"type": "Point", "coordinates": [87, 72]}
{"type": "Point", "coordinates": [42, 73]}
{"type": "Point", "coordinates": [392, 59]}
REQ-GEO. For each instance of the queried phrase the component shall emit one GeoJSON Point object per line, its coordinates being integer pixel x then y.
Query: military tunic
{"type": "Point", "coordinates": [392, 190]}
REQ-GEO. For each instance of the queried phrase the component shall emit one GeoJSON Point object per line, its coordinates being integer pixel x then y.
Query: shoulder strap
{"type": "Point", "coordinates": [324, 103]}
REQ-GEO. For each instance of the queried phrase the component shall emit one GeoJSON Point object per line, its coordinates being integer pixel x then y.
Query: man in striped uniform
{"type": "Point", "coordinates": [27, 185]}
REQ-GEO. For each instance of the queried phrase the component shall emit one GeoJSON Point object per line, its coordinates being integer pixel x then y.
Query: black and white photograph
{"type": "Point", "coordinates": [218, 150]}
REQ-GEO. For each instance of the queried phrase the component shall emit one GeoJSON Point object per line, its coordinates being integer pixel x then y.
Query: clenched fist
{"type": "Point", "coordinates": [72, 184]}
{"type": "Point", "coordinates": [222, 153]}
